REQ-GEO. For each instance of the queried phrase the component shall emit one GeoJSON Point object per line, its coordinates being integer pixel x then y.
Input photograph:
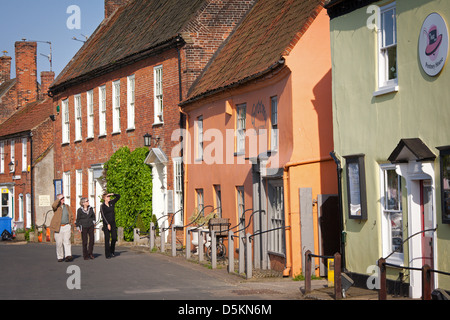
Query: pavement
{"type": "Point", "coordinates": [30, 271]}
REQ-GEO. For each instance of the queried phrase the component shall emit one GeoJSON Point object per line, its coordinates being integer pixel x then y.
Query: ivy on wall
{"type": "Point", "coordinates": [127, 174]}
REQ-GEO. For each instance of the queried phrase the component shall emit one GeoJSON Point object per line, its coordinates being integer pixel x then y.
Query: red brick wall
{"type": "Point", "coordinates": [26, 72]}
{"type": "Point", "coordinates": [207, 32]}
{"type": "Point", "coordinates": [81, 155]}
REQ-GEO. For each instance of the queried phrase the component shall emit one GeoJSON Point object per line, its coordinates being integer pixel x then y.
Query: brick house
{"type": "Point", "coordinates": [26, 138]}
{"type": "Point", "coordinates": [126, 82]}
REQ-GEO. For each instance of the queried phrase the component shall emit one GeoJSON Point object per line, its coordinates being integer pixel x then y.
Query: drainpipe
{"type": "Point", "coordinates": [288, 232]}
{"type": "Point", "coordinates": [339, 176]}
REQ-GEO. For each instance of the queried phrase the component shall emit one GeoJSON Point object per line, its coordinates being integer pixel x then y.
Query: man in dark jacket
{"type": "Point", "coordinates": [109, 223]}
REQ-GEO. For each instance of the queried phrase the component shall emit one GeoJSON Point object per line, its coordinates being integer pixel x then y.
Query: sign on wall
{"type": "Point", "coordinates": [433, 44]}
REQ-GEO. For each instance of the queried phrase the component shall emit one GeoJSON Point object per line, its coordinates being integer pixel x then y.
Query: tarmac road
{"type": "Point", "coordinates": [31, 272]}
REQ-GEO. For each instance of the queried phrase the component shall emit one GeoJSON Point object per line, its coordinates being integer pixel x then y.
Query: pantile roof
{"type": "Point", "coordinates": [27, 118]}
{"type": "Point", "coordinates": [268, 32]}
{"type": "Point", "coordinates": [135, 30]}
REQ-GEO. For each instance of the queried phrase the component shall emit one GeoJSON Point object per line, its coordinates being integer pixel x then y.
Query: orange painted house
{"type": "Point", "coordinates": [259, 135]}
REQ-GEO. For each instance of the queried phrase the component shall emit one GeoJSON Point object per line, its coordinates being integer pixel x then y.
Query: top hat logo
{"type": "Point", "coordinates": [434, 42]}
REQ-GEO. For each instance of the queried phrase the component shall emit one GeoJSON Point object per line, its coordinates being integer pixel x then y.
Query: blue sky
{"type": "Point", "coordinates": [47, 20]}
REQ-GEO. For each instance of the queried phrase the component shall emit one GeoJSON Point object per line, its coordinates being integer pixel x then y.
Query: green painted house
{"type": "Point", "coordinates": [391, 119]}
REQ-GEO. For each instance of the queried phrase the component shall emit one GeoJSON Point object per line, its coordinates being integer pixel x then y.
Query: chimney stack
{"type": "Point", "coordinates": [47, 78]}
{"type": "Point", "coordinates": [26, 72]}
{"type": "Point", "coordinates": [5, 68]}
{"type": "Point", "coordinates": [112, 5]}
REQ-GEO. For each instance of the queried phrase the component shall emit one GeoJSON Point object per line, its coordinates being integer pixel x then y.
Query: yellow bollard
{"type": "Point", "coordinates": [330, 263]}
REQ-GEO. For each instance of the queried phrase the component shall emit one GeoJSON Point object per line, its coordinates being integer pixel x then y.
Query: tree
{"type": "Point", "coordinates": [127, 174]}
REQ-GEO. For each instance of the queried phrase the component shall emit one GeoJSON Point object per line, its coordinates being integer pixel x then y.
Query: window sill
{"type": "Point", "coordinates": [115, 133]}
{"type": "Point", "coordinates": [385, 90]}
{"type": "Point", "coordinates": [157, 124]}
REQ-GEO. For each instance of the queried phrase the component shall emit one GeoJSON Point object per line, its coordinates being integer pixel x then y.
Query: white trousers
{"type": "Point", "coordinates": [63, 245]}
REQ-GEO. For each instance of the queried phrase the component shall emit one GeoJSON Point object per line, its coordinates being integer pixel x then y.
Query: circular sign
{"type": "Point", "coordinates": [433, 44]}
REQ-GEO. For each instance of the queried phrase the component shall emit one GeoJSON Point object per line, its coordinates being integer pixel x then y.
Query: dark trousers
{"type": "Point", "coordinates": [88, 247]}
{"type": "Point", "coordinates": [110, 235]}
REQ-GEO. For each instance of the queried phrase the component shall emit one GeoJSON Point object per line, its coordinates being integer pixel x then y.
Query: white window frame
{"type": "Point", "coordinates": [78, 115]}
{"type": "Point", "coordinates": [65, 118]}
{"type": "Point", "coordinates": [79, 185]}
{"type": "Point", "coordinates": [274, 139]}
{"type": "Point", "coordinates": [116, 106]}
{"type": "Point", "coordinates": [2, 157]}
{"type": "Point", "coordinates": [131, 101]}
{"type": "Point", "coordinates": [90, 113]}
{"type": "Point", "coordinates": [241, 115]}
{"type": "Point", "coordinates": [386, 228]}
{"type": "Point", "coordinates": [24, 155]}
{"type": "Point", "coordinates": [199, 135]}
{"type": "Point", "coordinates": [66, 186]}
{"type": "Point", "coordinates": [240, 205]}
{"type": "Point", "coordinates": [28, 209]}
{"type": "Point", "coordinates": [178, 189]}
{"type": "Point", "coordinates": [158, 99]}
{"type": "Point", "coordinates": [21, 207]}
{"type": "Point", "coordinates": [384, 84]}
{"type": "Point", "coordinates": [276, 218]}
{"type": "Point", "coordinates": [102, 110]}
{"type": "Point", "coordinates": [12, 157]}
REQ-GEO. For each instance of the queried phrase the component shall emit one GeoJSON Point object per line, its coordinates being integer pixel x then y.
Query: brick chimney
{"type": "Point", "coordinates": [47, 78]}
{"type": "Point", "coordinates": [26, 72]}
{"type": "Point", "coordinates": [5, 68]}
{"type": "Point", "coordinates": [112, 5]}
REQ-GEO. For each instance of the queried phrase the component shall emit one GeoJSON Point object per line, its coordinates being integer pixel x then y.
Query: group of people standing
{"type": "Point", "coordinates": [62, 223]}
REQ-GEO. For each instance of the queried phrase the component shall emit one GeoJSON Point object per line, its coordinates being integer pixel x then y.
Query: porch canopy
{"type": "Point", "coordinates": [156, 156]}
{"type": "Point", "coordinates": [411, 150]}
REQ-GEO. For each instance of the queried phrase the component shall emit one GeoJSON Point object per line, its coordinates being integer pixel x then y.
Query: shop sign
{"type": "Point", "coordinates": [433, 44]}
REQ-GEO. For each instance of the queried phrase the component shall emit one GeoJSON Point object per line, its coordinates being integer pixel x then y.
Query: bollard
{"type": "Point", "coordinates": [200, 245]}
{"type": "Point", "coordinates": [174, 242]}
{"type": "Point", "coordinates": [241, 253]}
{"type": "Point", "coordinates": [230, 252]}
{"type": "Point", "coordinates": [426, 282]}
{"type": "Point", "coordinates": [307, 271]}
{"type": "Point", "coordinates": [248, 255]}
{"type": "Point", "coordinates": [120, 235]}
{"type": "Point", "coordinates": [136, 236]}
{"type": "Point", "coordinates": [337, 276]}
{"type": "Point", "coordinates": [151, 236]}
{"type": "Point", "coordinates": [213, 250]}
{"type": "Point", "coordinates": [188, 243]}
{"type": "Point", "coordinates": [163, 239]}
{"type": "Point", "coordinates": [382, 295]}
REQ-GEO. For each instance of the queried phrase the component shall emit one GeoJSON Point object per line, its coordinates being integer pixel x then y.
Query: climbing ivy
{"type": "Point", "coordinates": [127, 174]}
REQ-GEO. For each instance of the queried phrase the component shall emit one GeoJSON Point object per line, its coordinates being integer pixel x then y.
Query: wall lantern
{"type": "Point", "coordinates": [147, 140]}
{"type": "Point", "coordinates": [12, 166]}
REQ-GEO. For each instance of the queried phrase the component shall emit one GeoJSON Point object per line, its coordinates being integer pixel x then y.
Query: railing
{"type": "Point", "coordinates": [426, 271]}
{"type": "Point", "coordinates": [337, 272]}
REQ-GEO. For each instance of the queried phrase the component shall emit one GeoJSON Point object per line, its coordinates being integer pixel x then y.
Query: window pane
{"type": "Point", "coordinates": [446, 186]}
{"type": "Point", "coordinates": [392, 62]}
{"type": "Point", "coordinates": [388, 25]}
{"type": "Point", "coordinates": [392, 191]}
{"type": "Point", "coordinates": [396, 220]}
